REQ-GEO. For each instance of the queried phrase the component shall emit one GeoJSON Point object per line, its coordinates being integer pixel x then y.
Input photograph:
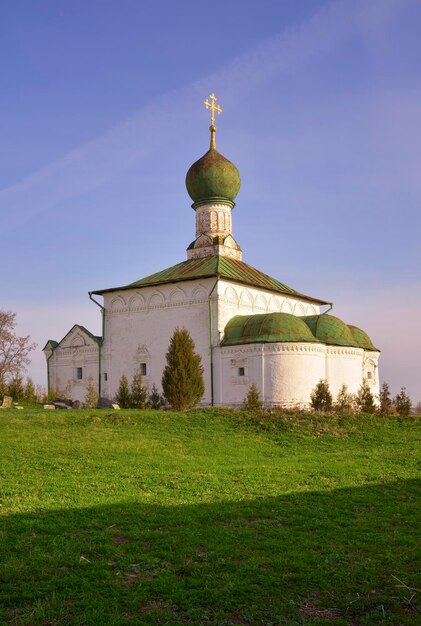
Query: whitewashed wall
{"type": "Point", "coordinates": [236, 299]}
{"type": "Point", "coordinates": [139, 325]}
{"type": "Point", "coordinates": [140, 322]}
{"type": "Point", "coordinates": [77, 349]}
{"type": "Point", "coordinates": [344, 365]}
{"type": "Point", "coordinates": [285, 373]}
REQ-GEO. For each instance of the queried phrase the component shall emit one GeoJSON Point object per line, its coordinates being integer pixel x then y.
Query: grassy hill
{"type": "Point", "coordinates": [209, 517]}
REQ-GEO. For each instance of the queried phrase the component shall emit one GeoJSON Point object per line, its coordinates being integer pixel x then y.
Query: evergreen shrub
{"type": "Point", "coordinates": [182, 380]}
{"type": "Point", "coordinates": [321, 398]}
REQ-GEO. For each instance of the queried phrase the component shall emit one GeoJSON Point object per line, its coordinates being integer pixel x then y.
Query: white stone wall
{"type": "Point", "coordinates": [140, 322]}
{"type": "Point", "coordinates": [76, 350]}
{"type": "Point", "coordinates": [236, 299]}
{"type": "Point", "coordinates": [344, 365]}
{"type": "Point", "coordinates": [285, 373]}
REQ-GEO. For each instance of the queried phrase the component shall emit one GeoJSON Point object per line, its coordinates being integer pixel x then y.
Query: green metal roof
{"type": "Point", "coordinates": [52, 342]}
{"type": "Point", "coordinates": [97, 339]}
{"type": "Point", "coordinates": [330, 330]}
{"type": "Point", "coordinates": [362, 339]}
{"type": "Point", "coordinates": [220, 267]}
{"type": "Point", "coordinates": [266, 328]}
{"type": "Point", "coordinates": [284, 327]}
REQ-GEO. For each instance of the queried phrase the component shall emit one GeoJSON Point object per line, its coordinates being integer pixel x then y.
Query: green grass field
{"type": "Point", "coordinates": [209, 517]}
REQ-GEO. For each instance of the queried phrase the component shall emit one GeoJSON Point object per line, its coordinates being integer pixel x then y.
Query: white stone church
{"type": "Point", "coordinates": [247, 327]}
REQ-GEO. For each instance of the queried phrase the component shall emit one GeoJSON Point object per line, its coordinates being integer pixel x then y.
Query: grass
{"type": "Point", "coordinates": [210, 517]}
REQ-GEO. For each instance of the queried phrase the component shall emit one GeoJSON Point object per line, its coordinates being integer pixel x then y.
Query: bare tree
{"type": "Point", "coordinates": [14, 350]}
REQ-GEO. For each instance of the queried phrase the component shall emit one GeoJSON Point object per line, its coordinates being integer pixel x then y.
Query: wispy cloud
{"type": "Point", "coordinates": [131, 141]}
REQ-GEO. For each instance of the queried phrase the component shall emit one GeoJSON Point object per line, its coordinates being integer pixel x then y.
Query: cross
{"type": "Point", "coordinates": [213, 107]}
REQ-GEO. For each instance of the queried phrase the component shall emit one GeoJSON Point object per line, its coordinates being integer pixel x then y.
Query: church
{"type": "Point", "coordinates": [247, 326]}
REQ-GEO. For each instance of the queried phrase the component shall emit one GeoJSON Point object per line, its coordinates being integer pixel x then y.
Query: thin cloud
{"type": "Point", "coordinates": [128, 143]}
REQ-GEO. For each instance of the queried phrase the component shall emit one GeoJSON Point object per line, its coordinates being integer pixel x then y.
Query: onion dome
{"type": "Point", "coordinates": [213, 178]}
{"type": "Point", "coordinates": [330, 330]}
{"type": "Point", "coordinates": [362, 339]}
{"type": "Point", "coordinates": [266, 328]}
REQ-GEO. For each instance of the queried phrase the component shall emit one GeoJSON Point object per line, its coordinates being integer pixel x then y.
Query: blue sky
{"type": "Point", "coordinates": [101, 115]}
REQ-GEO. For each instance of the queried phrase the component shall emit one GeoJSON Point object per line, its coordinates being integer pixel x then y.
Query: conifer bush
{"type": "Point", "coordinates": [155, 399]}
{"type": "Point", "coordinates": [365, 399]}
{"type": "Point", "coordinates": [403, 403]}
{"type": "Point", "coordinates": [321, 398]}
{"type": "Point", "coordinates": [385, 401]}
{"type": "Point", "coordinates": [29, 394]}
{"type": "Point", "coordinates": [182, 380]}
{"type": "Point", "coordinates": [123, 393]}
{"type": "Point", "coordinates": [16, 388]}
{"type": "Point", "coordinates": [91, 396]}
{"type": "Point", "coordinates": [253, 401]}
{"type": "Point", "coordinates": [345, 401]}
{"type": "Point", "coordinates": [138, 392]}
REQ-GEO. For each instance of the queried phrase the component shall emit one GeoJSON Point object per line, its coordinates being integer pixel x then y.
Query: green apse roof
{"type": "Point", "coordinates": [219, 267]}
{"type": "Point", "coordinates": [266, 328]}
{"type": "Point", "coordinates": [362, 339]}
{"type": "Point", "coordinates": [331, 330]}
{"type": "Point", "coordinates": [212, 177]}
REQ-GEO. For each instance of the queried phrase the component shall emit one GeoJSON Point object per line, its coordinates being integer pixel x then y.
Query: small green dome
{"type": "Point", "coordinates": [330, 330]}
{"type": "Point", "coordinates": [362, 339]}
{"type": "Point", "coordinates": [212, 177]}
{"type": "Point", "coordinates": [266, 328]}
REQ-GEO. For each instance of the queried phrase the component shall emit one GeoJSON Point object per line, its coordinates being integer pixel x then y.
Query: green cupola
{"type": "Point", "coordinates": [213, 183]}
{"type": "Point", "coordinates": [213, 178]}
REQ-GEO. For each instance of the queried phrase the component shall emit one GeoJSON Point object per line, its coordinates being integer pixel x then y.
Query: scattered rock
{"type": "Point", "coordinates": [19, 407]}
{"type": "Point", "coordinates": [7, 402]}
{"type": "Point", "coordinates": [76, 404]}
{"type": "Point", "coordinates": [116, 407]}
{"type": "Point", "coordinates": [61, 405]}
{"type": "Point", "coordinates": [104, 403]}
{"type": "Point", "coordinates": [48, 406]}
{"type": "Point", "coordinates": [64, 401]}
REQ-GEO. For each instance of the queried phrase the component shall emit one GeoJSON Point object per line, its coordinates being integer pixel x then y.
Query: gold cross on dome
{"type": "Point", "coordinates": [213, 107]}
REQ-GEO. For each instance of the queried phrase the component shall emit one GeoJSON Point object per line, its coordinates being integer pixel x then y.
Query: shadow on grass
{"type": "Point", "coordinates": [336, 557]}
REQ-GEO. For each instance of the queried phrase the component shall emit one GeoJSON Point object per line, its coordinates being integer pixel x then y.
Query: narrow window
{"type": "Point", "coordinates": [143, 369]}
{"type": "Point", "coordinates": [105, 376]}
{"type": "Point", "coordinates": [241, 371]}
{"type": "Point", "coordinates": [369, 374]}
{"type": "Point", "coordinates": [79, 373]}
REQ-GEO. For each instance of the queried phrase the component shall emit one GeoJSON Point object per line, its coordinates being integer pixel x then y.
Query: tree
{"type": "Point", "coordinates": [365, 399]}
{"type": "Point", "coordinates": [138, 392]}
{"type": "Point", "coordinates": [29, 393]}
{"type": "Point", "coordinates": [15, 388]}
{"type": "Point", "coordinates": [182, 380]}
{"type": "Point", "coordinates": [155, 400]}
{"type": "Point", "coordinates": [386, 404]}
{"type": "Point", "coordinates": [403, 403]}
{"type": "Point", "coordinates": [123, 394]}
{"type": "Point", "coordinates": [91, 396]}
{"type": "Point", "coordinates": [321, 398]}
{"type": "Point", "coordinates": [14, 350]}
{"type": "Point", "coordinates": [253, 402]}
{"type": "Point", "coordinates": [345, 401]}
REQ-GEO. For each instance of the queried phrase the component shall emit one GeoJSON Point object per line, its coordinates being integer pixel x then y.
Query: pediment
{"type": "Point", "coordinates": [77, 337]}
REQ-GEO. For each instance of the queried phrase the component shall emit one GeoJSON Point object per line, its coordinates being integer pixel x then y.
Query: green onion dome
{"type": "Point", "coordinates": [266, 328]}
{"type": "Point", "coordinates": [362, 339]}
{"type": "Point", "coordinates": [330, 330]}
{"type": "Point", "coordinates": [213, 178]}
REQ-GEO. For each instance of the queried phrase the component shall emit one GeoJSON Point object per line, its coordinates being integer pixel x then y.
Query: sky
{"type": "Point", "coordinates": [101, 115]}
